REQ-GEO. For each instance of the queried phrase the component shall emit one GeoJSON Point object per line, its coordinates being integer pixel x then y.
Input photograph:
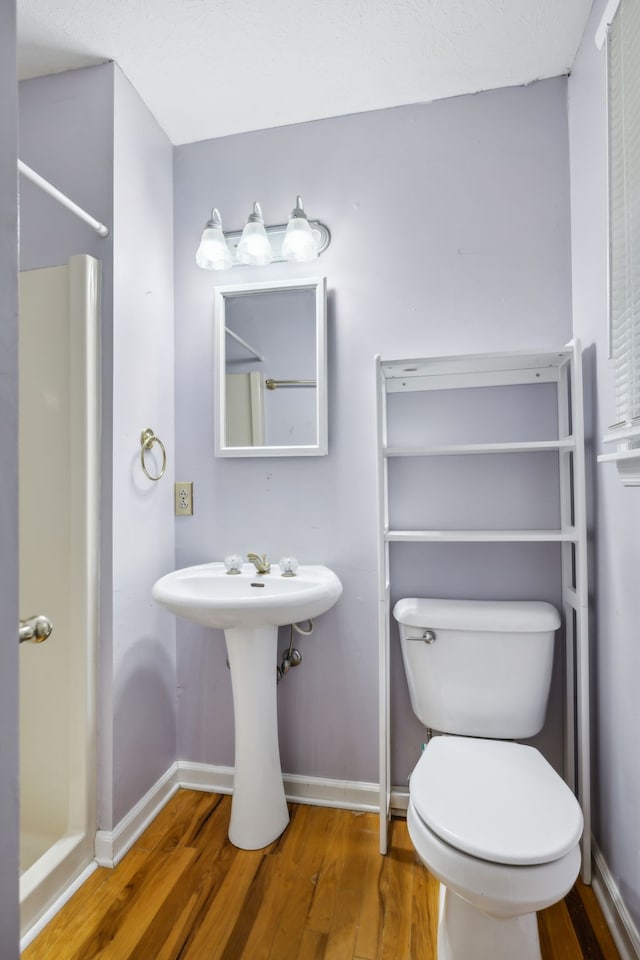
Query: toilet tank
{"type": "Point", "coordinates": [486, 671]}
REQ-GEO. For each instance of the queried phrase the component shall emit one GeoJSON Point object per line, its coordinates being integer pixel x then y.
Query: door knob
{"type": "Point", "coordinates": [35, 629]}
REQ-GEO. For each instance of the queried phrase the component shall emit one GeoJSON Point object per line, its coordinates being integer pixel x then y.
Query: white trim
{"type": "Point", "coordinates": [111, 845]}
{"type": "Point", "coordinates": [606, 21]}
{"type": "Point", "coordinates": [323, 792]}
{"type": "Point", "coordinates": [616, 434]}
{"type": "Point", "coordinates": [316, 791]}
{"type": "Point", "coordinates": [628, 464]}
{"type": "Point", "coordinates": [38, 927]}
{"type": "Point", "coordinates": [623, 930]}
{"type": "Point", "coordinates": [399, 801]}
{"type": "Point", "coordinates": [205, 776]}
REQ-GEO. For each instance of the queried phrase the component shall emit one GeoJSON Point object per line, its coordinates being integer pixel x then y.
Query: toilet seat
{"type": "Point", "coordinates": [497, 889]}
{"type": "Point", "coordinates": [497, 801]}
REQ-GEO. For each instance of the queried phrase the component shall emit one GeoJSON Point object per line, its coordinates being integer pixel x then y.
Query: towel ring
{"type": "Point", "coordinates": [147, 439]}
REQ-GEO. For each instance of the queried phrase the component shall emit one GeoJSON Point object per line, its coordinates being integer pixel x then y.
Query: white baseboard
{"type": "Point", "coordinates": [205, 776]}
{"type": "Point", "coordinates": [111, 846]}
{"type": "Point", "coordinates": [317, 791]}
{"type": "Point", "coordinates": [399, 801]}
{"type": "Point", "coordinates": [623, 930]}
{"type": "Point", "coordinates": [322, 792]}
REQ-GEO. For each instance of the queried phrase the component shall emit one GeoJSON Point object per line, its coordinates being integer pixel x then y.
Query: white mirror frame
{"type": "Point", "coordinates": [221, 294]}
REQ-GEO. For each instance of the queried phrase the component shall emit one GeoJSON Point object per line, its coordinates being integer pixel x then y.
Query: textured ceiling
{"type": "Point", "coordinates": [207, 68]}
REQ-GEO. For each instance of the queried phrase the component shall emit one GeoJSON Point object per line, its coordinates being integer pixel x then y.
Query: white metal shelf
{"type": "Point", "coordinates": [564, 369]}
{"type": "Point", "coordinates": [470, 449]}
{"type": "Point", "coordinates": [482, 536]}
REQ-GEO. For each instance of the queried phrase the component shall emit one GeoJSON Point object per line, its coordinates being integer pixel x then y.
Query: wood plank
{"type": "Point", "coordinates": [397, 893]}
{"type": "Point", "coordinates": [357, 842]}
{"type": "Point", "coordinates": [129, 915]}
{"type": "Point", "coordinates": [558, 940]}
{"type": "Point", "coordinates": [206, 830]}
{"type": "Point", "coordinates": [268, 895]}
{"type": "Point", "coordinates": [325, 891]}
{"type": "Point", "coordinates": [297, 882]}
{"type": "Point", "coordinates": [218, 922]}
{"type": "Point", "coordinates": [587, 939]}
{"type": "Point", "coordinates": [174, 820]}
{"type": "Point", "coordinates": [370, 920]}
{"type": "Point", "coordinates": [597, 921]}
{"type": "Point", "coordinates": [312, 945]}
{"type": "Point", "coordinates": [424, 915]}
{"type": "Point", "coordinates": [84, 914]}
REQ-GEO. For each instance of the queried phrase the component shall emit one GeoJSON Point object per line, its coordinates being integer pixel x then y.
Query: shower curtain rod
{"type": "Point", "coordinates": [243, 343]}
{"type": "Point", "coordinates": [100, 228]}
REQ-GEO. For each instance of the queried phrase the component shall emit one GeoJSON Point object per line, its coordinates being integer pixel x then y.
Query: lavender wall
{"type": "Point", "coordinates": [143, 692]}
{"type": "Point", "coordinates": [450, 226]}
{"type": "Point", "coordinates": [616, 652]}
{"type": "Point", "coordinates": [90, 134]}
{"type": "Point", "coordinates": [9, 923]}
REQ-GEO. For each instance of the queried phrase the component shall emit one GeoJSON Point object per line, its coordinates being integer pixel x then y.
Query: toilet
{"type": "Point", "coordinates": [488, 817]}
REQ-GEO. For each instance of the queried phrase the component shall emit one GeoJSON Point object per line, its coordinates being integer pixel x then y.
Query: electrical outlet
{"type": "Point", "coordinates": [183, 493]}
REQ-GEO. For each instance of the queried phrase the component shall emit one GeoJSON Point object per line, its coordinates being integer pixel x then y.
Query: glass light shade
{"type": "Point", "coordinates": [254, 247]}
{"type": "Point", "coordinates": [299, 244]}
{"type": "Point", "coordinates": [213, 252]}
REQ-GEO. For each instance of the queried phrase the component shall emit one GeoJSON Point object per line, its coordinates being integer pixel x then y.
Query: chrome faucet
{"type": "Point", "coordinates": [261, 564]}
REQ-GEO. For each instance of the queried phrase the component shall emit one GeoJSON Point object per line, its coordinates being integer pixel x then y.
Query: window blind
{"type": "Point", "coordinates": [624, 210]}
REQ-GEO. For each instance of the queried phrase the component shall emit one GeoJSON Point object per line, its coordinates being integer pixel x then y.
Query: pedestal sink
{"type": "Point", "coordinates": [250, 607]}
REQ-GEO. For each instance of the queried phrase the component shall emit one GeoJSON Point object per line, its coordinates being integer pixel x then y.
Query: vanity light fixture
{"type": "Point", "coordinates": [299, 241]}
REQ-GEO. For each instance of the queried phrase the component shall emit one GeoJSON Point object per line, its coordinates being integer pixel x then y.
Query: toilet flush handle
{"type": "Point", "coordinates": [427, 636]}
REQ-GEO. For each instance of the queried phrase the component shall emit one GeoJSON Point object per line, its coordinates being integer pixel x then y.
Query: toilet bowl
{"type": "Point", "coordinates": [499, 829]}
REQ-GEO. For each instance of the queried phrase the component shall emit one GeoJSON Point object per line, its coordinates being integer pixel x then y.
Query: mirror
{"type": "Point", "coordinates": [271, 369]}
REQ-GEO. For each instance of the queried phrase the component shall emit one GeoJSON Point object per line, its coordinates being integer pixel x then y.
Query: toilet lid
{"type": "Point", "coordinates": [495, 800]}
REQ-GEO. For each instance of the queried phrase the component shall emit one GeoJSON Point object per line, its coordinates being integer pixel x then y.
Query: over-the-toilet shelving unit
{"type": "Point", "coordinates": [564, 369]}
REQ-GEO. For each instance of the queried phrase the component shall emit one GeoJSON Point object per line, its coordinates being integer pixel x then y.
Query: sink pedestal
{"type": "Point", "coordinates": [259, 810]}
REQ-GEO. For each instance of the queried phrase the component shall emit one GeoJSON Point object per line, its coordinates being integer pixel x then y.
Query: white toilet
{"type": "Point", "coordinates": [488, 817]}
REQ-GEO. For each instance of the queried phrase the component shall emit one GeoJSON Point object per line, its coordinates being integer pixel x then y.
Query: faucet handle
{"type": "Point", "coordinates": [288, 566]}
{"type": "Point", "coordinates": [233, 563]}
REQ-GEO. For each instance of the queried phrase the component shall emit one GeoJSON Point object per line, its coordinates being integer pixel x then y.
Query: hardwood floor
{"type": "Point", "coordinates": [320, 892]}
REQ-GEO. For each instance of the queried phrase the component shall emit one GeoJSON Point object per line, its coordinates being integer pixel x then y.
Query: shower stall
{"type": "Point", "coordinates": [58, 519]}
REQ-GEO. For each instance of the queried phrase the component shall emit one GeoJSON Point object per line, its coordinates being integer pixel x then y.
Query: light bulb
{"type": "Point", "coordinates": [254, 247]}
{"type": "Point", "coordinates": [213, 252]}
{"type": "Point", "coordinates": [300, 244]}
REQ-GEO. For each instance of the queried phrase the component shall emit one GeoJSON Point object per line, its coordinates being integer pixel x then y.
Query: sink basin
{"type": "Point", "coordinates": [250, 607]}
{"type": "Point", "coordinates": [210, 596]}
